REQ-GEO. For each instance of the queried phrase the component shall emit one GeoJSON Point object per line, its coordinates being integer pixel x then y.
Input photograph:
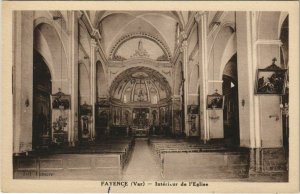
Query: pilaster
{"type": "Point", "coordinates": [73, 43]}
{"type": "Point", "coordinates": [23, 81]}
{"type": "Point", "coordinates": [201, 20]}
{"type": "Point", "coordinates": [93, 84]}
{"type": "Point", "coordinates": [184, 50]}
{"type": "Point", "coordinates": [248, 103]}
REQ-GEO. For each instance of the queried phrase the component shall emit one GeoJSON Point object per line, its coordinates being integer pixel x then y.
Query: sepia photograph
{"type": "Point", "coordinates": [153, 96]}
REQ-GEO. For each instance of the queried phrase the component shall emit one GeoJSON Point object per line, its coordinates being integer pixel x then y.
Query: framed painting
{"type": "Point", "coordinates": [193, 109]}
{"type": "Point", "coordinates": [271, 80]}
{"type": "Point", "coordinates": [61, 101]}
{"type": "Point", "coordinates": [215, 101]}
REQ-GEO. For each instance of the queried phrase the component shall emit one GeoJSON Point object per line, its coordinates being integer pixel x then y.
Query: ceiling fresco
{"type": "Point", "coordinates": [139, 47]}
{"type": "Point", "coordinates": [140, 84]}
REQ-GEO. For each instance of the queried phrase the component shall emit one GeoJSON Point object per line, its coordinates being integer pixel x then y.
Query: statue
{"type": "Point", "coordinates": [140, 52]}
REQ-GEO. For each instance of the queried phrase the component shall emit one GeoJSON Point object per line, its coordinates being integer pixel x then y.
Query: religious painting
{"type": "Point", "coordinates": [86, 109]}
{"type": "Point", "coordinates": [85, 118]}
{"type": "Point", "coordinates": [60, 117]}
{"type": "Point", "coordinates": [61, 100]}
{"type": "Point", "coordinates": [85, 127]}
{"type": "Point", "coordinates": [140, 117]}
{"type": "Point", "coordinates": [271, 80]}
{"type": "Point", "coordinates": [193, 109]}
{"type": "Point", "coordinates": [215, 101]}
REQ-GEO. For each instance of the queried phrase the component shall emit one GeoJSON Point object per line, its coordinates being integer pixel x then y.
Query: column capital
{"type": "Point", "coordinates": [200, 15]}
{"type": "Point", "coordinates": [183, 35]}
{"type": "Point", "coordinates": [184, 44]}
{"type": "Point", "coordinates": [175, 97]}
{"type": "Point", "coordinates": [93, 42]}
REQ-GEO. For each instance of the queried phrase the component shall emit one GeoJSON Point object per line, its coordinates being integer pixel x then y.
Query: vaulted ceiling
{"type": "Point", "coordinates": [118, 28]}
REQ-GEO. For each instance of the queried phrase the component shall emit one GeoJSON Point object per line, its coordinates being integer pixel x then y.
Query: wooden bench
{"type": "Point", "coordinates": [102, 161]}
{"type": "Point", "coordinates": [69, 167]}
{"type": "Point", "coordinates": [205, 165]}
{"type": "Point", "coordinates": [191, 160]}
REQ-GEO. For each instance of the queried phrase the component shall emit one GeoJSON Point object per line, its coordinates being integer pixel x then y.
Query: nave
{"type": "Point", "coordinates": [152, 159]}
{"type": "Point", "coordinates": [170, 95]}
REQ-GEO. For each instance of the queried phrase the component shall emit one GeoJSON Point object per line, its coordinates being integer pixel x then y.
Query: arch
{"type": "Point", "coordinates": [282, 18]}
{"type": "Point", "coordinates": [231, 25]}
{"type": "Point", "coordinates": [225, 41]}
{"type": "Point", "coordinates": [229, 51]}
{"type": "Point", "coordinates": [284, 37]}
{"type": "Point", "coordinates": [62, 16]}
{"type": "Point", "coordinates": [230, 69]}
{"type": "Point", "coordinates": [84, 38]}
{"type": "Point", "coordinates": [48, 43]}
{"type": "Point", "coordinates": [145, 35]}
{"type": "Point", "coordinates": [123, 77]}
{"type": "Point", "coordinates": [147, 63]}
{"type": "Point", "coordinates": [41, 106]}
{"type": "Point", "coordinates": [231, 102]}
{"type": "Point", "coordinates": [63, 36]}
{"type": "Point", "coordinates": [267, 25]}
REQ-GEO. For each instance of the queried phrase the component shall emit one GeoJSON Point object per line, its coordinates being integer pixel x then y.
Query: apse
{"type": "Point", "coordinates": [140, 86]}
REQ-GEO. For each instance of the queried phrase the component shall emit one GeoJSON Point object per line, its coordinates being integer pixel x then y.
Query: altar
{"type": "Point", "coordinates": [141, 131]}
{"type": "Point", "coordinates": [140, 121]}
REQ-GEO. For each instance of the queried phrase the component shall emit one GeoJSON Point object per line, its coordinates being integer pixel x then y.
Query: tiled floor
{"type": "Point", "coordinates": [142, 165]}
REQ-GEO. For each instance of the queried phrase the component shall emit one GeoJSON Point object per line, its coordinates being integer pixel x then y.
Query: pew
{"type": "Point", "coordinates": [100, 161]}
{"type": "Point", "coordinates": [181, 159]}
{"type": "Point", "coordinates": [69, 167]}
{"type": "Point", "coordinates": [205, 165]}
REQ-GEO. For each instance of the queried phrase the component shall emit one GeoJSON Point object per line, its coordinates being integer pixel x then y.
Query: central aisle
{"type": "Point", "coordinates": [142, 165]}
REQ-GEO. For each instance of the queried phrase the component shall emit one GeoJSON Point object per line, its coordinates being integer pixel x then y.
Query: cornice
{"type": "Point", "coordinates": [137, 61]}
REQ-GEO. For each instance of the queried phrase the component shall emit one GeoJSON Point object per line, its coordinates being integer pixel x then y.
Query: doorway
{"type": "Point", "coordinates": [231, 108]}
{"type": "Point", "coordinates": [42, 89]}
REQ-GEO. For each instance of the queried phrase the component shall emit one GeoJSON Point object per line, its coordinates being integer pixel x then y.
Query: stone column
{"type": "Point", "coordinates": [73, 43]}
{"type": "Point", "coordinates": [176, 120]}
{"type": "Point", "coordinates": [22, 80]}
{"type": "Point", "coordinates": [201, 20]}
{"type": "Point", "coordinates": [93, 85]}
{"type": "Point", "coordinates": [184, 50]}
{"type": "Point", "coordinates": [246, 69]}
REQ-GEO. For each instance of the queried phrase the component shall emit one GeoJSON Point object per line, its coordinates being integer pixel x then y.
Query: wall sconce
{"type": "Point", "coordinates": [26, 102]}
{"type": "Point", "coordinates": [276, 117]}
{"type": "Point", "coordinates": [243, 102]}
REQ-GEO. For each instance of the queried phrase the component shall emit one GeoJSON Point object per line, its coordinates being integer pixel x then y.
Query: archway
{"type": "Point", "coordinates": [140, 98]}
{"type": "Point", "coordinates": [42, 89]}
{"type": "Point", "coordinates": [50, 67]}
{"type": "Point", "coordinates": [102, 106]}
{"type": "Point", "coordinates": [230, 111]}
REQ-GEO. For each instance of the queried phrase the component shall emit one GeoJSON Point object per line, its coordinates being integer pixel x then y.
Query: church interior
{"type": "Point", "coordinates": [151, 95]}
